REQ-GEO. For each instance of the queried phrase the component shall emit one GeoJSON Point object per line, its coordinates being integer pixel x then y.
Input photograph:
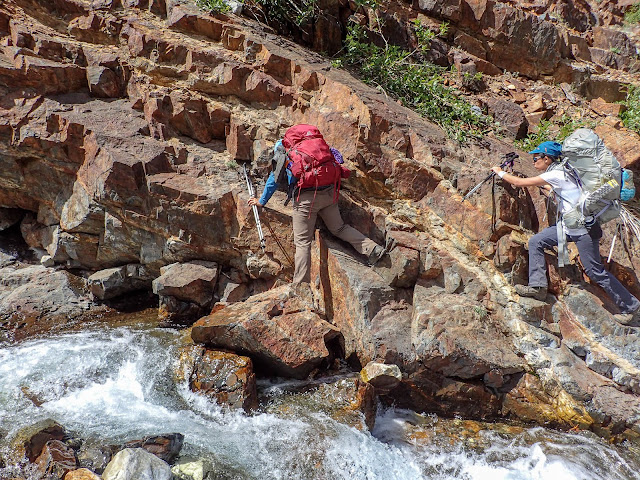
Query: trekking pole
{"type": "Point", "coordinates": [252, 194]}
{"type": "Point", "coordinates": [510, 159]}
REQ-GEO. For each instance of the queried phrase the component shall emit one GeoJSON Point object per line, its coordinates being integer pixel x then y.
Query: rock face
{"type": "Point", "coordinates": [122, 125]}
{"type": "Point", "coordinates": [280, 330]}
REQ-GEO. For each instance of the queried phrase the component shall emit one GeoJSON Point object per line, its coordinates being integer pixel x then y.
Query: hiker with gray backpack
{"type": "Point", "coordinates": [310, 172]}
{"type": "Point", "coordinates": [586, 180]}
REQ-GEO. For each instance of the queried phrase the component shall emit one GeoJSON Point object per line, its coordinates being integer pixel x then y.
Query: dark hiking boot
{"type": "Point", "coordinates": [379, 252]}
{"type": "Point", "coordinates": [629, 319]}
{"type": "Point", "coordinates": [539, 293]}
{"type": "Point", "coordinates": [376, 254]}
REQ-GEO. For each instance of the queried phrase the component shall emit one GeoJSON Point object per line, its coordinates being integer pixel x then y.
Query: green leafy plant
{"type": "Point", "coordinates": [542, 134]}
{"type": "Point", "coordinates": [615, 50]}
{"type": "Point", "coordinates": [633, 14]}
{"type": "Point", "coordinates": [418, 85]}
{"type": "Point", "coordinates": [295, 12]}
{"type": "Point", "coordinates": [213, 6]}
{"type": "Point", "coordinates": [480, 313]}
{"type": "Point", "coordinates": [631, 115]}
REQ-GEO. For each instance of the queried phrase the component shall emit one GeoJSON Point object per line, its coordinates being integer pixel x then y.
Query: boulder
{"type": "Point", "coordinates": [383, 377]}
{"type": "Point", "coordinates": [281, 330]}
{"type": "Point", "coordinates": [136, 464]}
{"type": "Point", "coordinates": [192, 469]}
{"type": "Point", "coordinates": [226, 378]}
{"type": "Point", "coordinates": [113, 282]}
{"type": "Point", "coordinates": [103, 82]}
{"type": "Point", "coordinates": [166, 447]}
{"type": "Point", "coordinates": [191, 281]}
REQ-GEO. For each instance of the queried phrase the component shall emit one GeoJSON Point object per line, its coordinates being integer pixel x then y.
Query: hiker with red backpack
{"type": "Point", "coordinates": [311, 171]}
{"type": "Point", "coordinates": [585, 232]}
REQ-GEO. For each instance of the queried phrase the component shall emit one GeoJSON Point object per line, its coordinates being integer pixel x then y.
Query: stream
{"type": "Point", "coordinates": [108, 385]}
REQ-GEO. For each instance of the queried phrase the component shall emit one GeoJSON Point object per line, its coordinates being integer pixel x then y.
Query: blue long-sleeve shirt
{"type": "Point", "coordinates": [271, 186]}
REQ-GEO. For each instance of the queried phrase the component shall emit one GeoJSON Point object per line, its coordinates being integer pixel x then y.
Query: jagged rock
{"type": "Point", "coordinates": [383, 377]}
{"type": "Point", "coordinates": [81, 474]}
{"type": "Point", "coordinates": [280, 330]}
{"type": "Point", "coordinates": [103, 82]}
{"type": "Point", "coordinates": [56, 459]}
{"type": "Point", "coordinates": [400, 268]}
{"type": "Point", "coordinates": [511, 117]}
{"type": "Point", "coordinates": [166, 447]}
{"type": "Point", "coordinates": [226, 378]}
{"type": "Point", "coordinates": [112, 282]}
{"type": "Point", "coordinates": [136, 464]}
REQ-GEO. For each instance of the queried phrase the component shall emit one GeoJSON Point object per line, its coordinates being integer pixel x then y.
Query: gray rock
{"type": "Point", "coordinates": [113, 282]}
{"type": "Point", "coordinates": [383, 377]}
{"type": "Point", "coordinates": [191, 281]}
{"type": "Point", "coordinates": [136, 464]}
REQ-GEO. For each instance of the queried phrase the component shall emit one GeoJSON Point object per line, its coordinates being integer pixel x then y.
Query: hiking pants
{"type": "Point", "coordinates": [589, 250]}
{"type": "Point", "coordinates": [305, 211]}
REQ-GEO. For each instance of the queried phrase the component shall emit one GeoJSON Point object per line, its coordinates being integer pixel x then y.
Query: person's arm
{"type": "Point", "coordinates": [519, 181]}
{"type": "Point", "coordinates": [270, 187]}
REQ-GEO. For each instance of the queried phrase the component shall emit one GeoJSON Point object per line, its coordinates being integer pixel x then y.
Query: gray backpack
{"type": "Point", "coordinates": [593, 167]}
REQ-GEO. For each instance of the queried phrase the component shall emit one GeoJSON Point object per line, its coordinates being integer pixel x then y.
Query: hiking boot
{"type": "Point", "coordinates": [628, 319]}
{"type": "Point", "coordinates": [539, 293]}
{"type": "Point", "coordinates": [376, 254]}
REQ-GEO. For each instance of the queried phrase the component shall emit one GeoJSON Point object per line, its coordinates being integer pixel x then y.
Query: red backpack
{"type": "Point", "coordinates": [312, 161]}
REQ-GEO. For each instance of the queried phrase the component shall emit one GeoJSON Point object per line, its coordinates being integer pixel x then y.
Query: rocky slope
{"type": "Point", "coordinates": [122, 124]}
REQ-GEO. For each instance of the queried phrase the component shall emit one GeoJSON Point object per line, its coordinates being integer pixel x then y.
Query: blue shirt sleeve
{"type": "Point", "coordinates": [270, 187]}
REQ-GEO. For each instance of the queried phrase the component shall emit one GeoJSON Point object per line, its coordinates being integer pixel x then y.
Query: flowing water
{"type": "Point", "coordinates": [112, 385]}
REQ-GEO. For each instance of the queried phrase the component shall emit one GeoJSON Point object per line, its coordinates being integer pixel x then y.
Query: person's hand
{"type": "Point", "coordinates": [496, 170]}
{"type": "Point", "coordinates": [254, 201]}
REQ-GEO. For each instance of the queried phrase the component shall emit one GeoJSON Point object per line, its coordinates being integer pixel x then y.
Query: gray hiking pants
{"type": "Point", "coordinates": [589, 250]}
{"type": "Point", "coordinates": [306, 209]}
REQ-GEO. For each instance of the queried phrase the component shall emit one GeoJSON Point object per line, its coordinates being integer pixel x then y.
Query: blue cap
{"type": "Point", "coordinates": [553, 149]}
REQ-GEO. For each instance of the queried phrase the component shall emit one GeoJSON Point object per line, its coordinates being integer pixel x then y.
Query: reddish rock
{"type": "Point", "coordinates": [510, 115]}
{"type": "Point", "coordinates": [193, 281]}
{"type": "Point", "coordinates": [240, 141]}
{"type": "Point", "coordinates": [165, 447]}
{"type": "Point", "coordinates": [56, 459]}
{"type": "Point", "coordinates": [81, 474]}
{"type": "Point", "coordinates": [226, 378]}
{"type": "Point", "coordinates": [103, 82]}
{"type": "Point", "coordinates": [280, 330]}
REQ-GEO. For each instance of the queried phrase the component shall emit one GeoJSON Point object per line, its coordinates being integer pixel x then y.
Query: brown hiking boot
{"type": "Point", "coordinates": [539, 293]}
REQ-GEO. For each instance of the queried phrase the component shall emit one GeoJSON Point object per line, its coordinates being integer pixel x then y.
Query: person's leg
{"type": "Point", "coordinates": [589, 250]}
{"type": "Point", "coordinates": [330, 214]}
{"type": "Point", "coordinates": [547, 238]}
{"type": "Point", "coordinates": [304, 217]}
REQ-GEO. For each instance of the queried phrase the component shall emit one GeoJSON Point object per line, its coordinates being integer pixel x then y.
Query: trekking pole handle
{"type": "Point", "coordinates": [256, 215]}
{"type": "Point", "coordinates": [508, 162]}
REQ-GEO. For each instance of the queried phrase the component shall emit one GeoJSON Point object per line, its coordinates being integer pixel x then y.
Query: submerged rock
{"type": "Point", "coordinates": [226, 378]}
{"type": "Point", "coordinates": [347, 400]}
{"type": "Point", "coordinates": [166, 447]}
{"type": "Point", "coordinates": [56, 459]}
{"type": "Point", "coordinates": [136, 464]}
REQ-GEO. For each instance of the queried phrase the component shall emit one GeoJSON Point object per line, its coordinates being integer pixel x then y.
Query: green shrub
{"type": "Point", "coordinates": [631, 116]}
{"type": "Point", "coordinates": [418, 85]}
{"type": "Point", "coordinates": [557, 132]}
{"type": "Point", "coordinates": [293, 12]}
{"type": "Point", "coordinates": [542, 134]}
{"type": "Point", "coordinates": [633, 14]}
{"type": "Point", "coordinates": [213, 6]}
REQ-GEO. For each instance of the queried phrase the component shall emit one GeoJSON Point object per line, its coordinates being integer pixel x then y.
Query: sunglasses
{"type": "Point", "coordinates": [538, 157]}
